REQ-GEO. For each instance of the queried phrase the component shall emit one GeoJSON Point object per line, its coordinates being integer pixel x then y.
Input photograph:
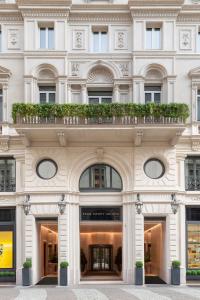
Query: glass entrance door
{"type": "Point", "coordinates": [101, 258]}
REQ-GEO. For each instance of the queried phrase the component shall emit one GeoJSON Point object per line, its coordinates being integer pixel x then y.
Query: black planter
{"type": "Point", "coordinates": [26, 276]}
{"type": "Point", "coordinates": [63, 276]}
{"type": "Point", "coordinates": [193, 277]}
{"type": "Point", "coordinates": [7, 279]}
{"type": "Point", "coordinates": [175, 276]}
{"type": "Point", "coordinates": [139, 276]}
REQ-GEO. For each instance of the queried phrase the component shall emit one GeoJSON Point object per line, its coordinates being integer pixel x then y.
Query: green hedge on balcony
{"type": "Point", "coordinates": [172, 110]}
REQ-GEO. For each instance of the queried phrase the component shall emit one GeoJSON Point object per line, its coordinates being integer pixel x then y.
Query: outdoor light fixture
{"type": "Point", "coordinates": [138, 205]}
{"type": "Point", "coordinates": [174, 203]}
{"type": "Point", "coordinates": [62, 204]}
{"type": "Point", "coordinates": [27, 204]}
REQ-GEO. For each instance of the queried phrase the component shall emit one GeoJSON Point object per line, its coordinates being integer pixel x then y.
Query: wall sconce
{"type": "Point", "coordinates": [174, 203]}
{"type": "Point", "coordinates": [138, 205]}
{"type": "Point", "coordinates": [62, 204]}
{"type": "Point", "coordinates": [27, 205]}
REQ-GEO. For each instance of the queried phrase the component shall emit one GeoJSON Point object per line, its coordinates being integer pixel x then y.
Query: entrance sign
{"type": "Point", "coordinates": [6, 249]}
{"type": "Point", "coordinates": [101, 213]}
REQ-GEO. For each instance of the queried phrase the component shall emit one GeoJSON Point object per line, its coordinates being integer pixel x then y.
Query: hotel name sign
{"type": "Point", "coordinates": [113, 213]}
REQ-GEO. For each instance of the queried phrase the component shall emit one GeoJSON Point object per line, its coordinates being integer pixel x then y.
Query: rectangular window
{"type": "Point", "coordinates": [99, 97]}
{"type": "Point", "coordinates": [1, 105]}
{"type": "Point", "coordinates": [198, 41]}
{"type": "Point", "coordinates": [46, 37]}
{"type": "Point", "coordinates": [47, 94]}
{"type": "Point", "coordinates": [153, 37]}
{"type": "Point", "coordinates": [192, 173]}
{"type": "Point", "coordinates": [198, 105]}
{"type": "Point", "coordinates": [7, 175]}
{"type": "Point", "coordinates": [100, 41]}
{"type": "Point", "coordinates": [0, 40]}
{"type": "Point", "coordinates": [152, 94]}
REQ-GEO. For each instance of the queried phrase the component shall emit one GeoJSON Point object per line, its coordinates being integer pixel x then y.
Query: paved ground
{"type": "Point", "coordinates": [101, 292]}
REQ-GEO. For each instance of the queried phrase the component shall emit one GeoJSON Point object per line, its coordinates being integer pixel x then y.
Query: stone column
{"type": "Point", "coordinates": [20, 168]}
{"type": "Point", "coordinates": [84, 94]}
{"type": "Point", "coordinates": [116, 93]}
{"type": "Point", "coordinates": [182, 241]}
{"type": "Point", "coordinates": [128, 240]}
{"type": "Point", "coordinates": [69, 93]}
{"type": "Point", "coordinates": [61, 90]}
{"type": "Point", "coordinates": [181, 171]}
{"type": "Point", "coordinates": [5, 103]}
{"type": "Point", "coordinates": [170, 89]}
{"type": "Point", "coordinates": [20, 245]}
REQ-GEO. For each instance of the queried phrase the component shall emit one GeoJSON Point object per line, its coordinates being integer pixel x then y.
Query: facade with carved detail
{"type": "Point", "coordinates": [73, 191]}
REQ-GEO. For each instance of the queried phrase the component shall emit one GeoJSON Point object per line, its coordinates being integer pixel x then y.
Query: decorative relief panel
{"type": "Point", "coordinates": [196, 146]}
{"type": "Point", "coordinates": [13, 39]}
{"type": "Point", "coordinates": [75, 68]}
{"type": "Point", "coordinates": [124, 67]}
{"type": "Point", "coordinates": [121, 40]}
{"type": "Point", "coordinates": [100, 75]}
{"type": "Point", "coordinates": [78, 39]}
{"type": "Point", "coordinates": [167, 156]}
{"type": "Point", "coordinates": [185, 39]}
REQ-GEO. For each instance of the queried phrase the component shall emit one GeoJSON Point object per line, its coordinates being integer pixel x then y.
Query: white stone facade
{"type": "Point", "coordinates": [125, 68]}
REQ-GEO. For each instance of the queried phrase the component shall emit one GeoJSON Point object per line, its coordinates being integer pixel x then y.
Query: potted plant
{"type": "Point", "coordinates": [63, 273]}
{"type": "Point", "coordinates": [193, 274]}
{"type": "Point", "coordinates": [26, 272]}
{"type": "Point", "coordinates": [139, 273]}
{"type": "Point", "coordinates": [175, 272]}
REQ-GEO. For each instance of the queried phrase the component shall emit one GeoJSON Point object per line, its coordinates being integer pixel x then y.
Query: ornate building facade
{"type": "Point", "coordinates": [72, 190]}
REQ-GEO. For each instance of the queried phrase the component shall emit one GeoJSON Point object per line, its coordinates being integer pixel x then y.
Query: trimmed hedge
{"type": "Point", "coordinates": [193, 272]}
{"type": "Point", "coordinates": [172, 110]}
{"type": "Point", "coordinates": [7, 273]}
{"type": "Point", "coordinates": [139, 264]}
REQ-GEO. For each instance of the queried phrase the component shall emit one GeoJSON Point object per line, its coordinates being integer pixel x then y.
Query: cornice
{"type": "Point", "coordinates": [39, 3]}
{"type": "Point", "coordinates": [100, 7]}
{"type": "Point", "coordinates": [45, 53]}
{"type": "Point", "coordinates": [157, 3]}
{"type": "Point", "coordinates": [10, 15]}
{"type": "Point", "coordinates": [98, 17]}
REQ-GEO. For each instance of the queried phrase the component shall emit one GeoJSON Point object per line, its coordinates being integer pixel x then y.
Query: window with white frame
{"type": "Point", "coordinates": [1, 105]}
{"type": "Point", "coordinates": [153, 36]}
{"type": "Point", "coordinates": [100, 39]}
{"type": "Point", "coordinates": [47, 94]}
{"type": "Point", "coordinates": [152, 94]}
{"type": "Point", "coordinates": [198, 105]}
{"type": "Point", "coordinates": [98, 97]}
{"type": "Point", "coordinates": [0, 39]}
{"type": "Point", "coordinates": [198, 41]}
{"type": "Point", "coordinates": [46, 37]}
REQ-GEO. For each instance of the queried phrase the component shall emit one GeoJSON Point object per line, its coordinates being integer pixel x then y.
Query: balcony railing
{"type": "Point", "coordinates": [8, 185]}
{"type": "Point", "coordinates": [109, 114]}
{"type": "Point", "coordinates": [75, 121]}
{"type": "Point", "coordinates": [192, 183]}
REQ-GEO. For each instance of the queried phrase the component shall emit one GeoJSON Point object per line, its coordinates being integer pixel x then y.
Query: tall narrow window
{"type": "Point", "coordinates": [7, 175]}
{"type": "Point", "coordinates": [152, 94]}
{"type": "Point", "coordinates": [100, 41]}
{"type": "Point", "coordinates": [192, 178]}
{"type": "Point", "coordinates": [46, 37]}
{"type": "Point", "coordinates": [47, 94]}
{"type": "Point", "coordinates": [198, 105]}
{"type": "Point", "coordinates": [1, 105]}
{"type": "Point", "coordinates": [153, 37]}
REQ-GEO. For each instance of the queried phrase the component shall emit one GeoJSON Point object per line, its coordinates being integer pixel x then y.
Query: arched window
{"type": "Point", "coordinates": [100, 178]}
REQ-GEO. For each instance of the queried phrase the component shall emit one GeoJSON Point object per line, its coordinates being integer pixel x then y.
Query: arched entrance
{"type": "Point", "coordinates": [100, 224]}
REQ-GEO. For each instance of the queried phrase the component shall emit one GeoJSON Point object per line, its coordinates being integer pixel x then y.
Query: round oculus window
{"type": "Point", "coordinates": [154, 168]}
{"type": "Point", "coordinates": [46, 169]}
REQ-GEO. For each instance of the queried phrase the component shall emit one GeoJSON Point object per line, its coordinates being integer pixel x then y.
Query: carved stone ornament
{"type": "Point", "coordinates": [78, 41]}
{"type": "Point", "coordinates": [185, 39]}
{"type": "Point", "coordinates": [196, 146]}
{"type": "Point", "coordinates": [4, 145]}
{"type": "Point", "coordinates": [75, 67]}
{"type": "Point", "coordinates": [124, 69]}
{"type": "Point", "coordinates": [13, 39]}
{"type": "Point", "coordinates": [100, 75]}
{"type": "Point", "coordinates": [121, 40]}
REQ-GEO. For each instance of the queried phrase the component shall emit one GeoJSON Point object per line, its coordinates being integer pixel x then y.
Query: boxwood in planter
{"type": "Point", "coordinates": [193, 274]}
{"type": "Point", "coordinates": [26, 273]}
{"type": "Point", "coordinates": [175, 272]}
{"type": "Point", "coordinates": [63, 273]}
{"type": "Point", "coordinates": [7, 276]}
{"type": "Point", "coordinates": [139, 273]}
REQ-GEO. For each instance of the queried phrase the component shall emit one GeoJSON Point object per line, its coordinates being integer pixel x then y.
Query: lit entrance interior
{"type": "Point", "coordinates": [48, 251]}
{"type": "Point", "coordinates": [101, 250]}
{"type": "Point", "coordinates": [154, 251]}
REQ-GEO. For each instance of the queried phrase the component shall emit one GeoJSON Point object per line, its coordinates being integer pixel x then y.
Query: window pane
{"type": "Point", "coordinates": [147, 97]}
{"type": "Point", "coordinates": [52, 98]}
{"type": "Point", "coordinates": [0, 40]}
{"type": "Point", "coordinates": [105, 177]}
{"type": "Point", "coordinates": [157, 98]}
{"type": "Point", "coordinates": [116, 180]}
{"type": "Point", "coordinates": [198, 42]}
{"type": "Point", "coordinates": [106, 100]}
{"type": "Point", "coordinates": [85, 179]}
{"type": "Point", "coordinates": [43, 38]}
{"type": "Point", "coordinates": [43, 98]}
{"type": "Point", "coordinates": [95, 176]}
{"type": "Point", "coordinates": [93, 100]}
{"type": "Point", "coordinates": [156, 38]}
{"type": "Point", "coordinates": [152, 88]}
{"type": "Point", "coordinates": [50, 38]}
{"type": "Point", "coordinates": [198, 109]}
{"type": "Point", "coordinates": [47, 88]}
{"type": "Point", "coordinates": [1, 106]}
{"type": "Point", "coordinates": [104, 41]}
{"type": "Point", "coordinates": [148, 38]}
{"type": "Point", "coordinates": [96, 41]}
{"type": "Point", "coordinates": [194, 246]}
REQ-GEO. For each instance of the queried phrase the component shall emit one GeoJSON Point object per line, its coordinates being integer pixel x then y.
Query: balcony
{"type": "Point", "coordinates": [192, 183]}
{"type": "Point", "coordinates": [103, 122]}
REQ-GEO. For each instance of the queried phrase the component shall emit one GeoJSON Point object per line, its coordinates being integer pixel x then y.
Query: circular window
{"type": "Point", "coordinates": [154, 168]}
{"type": "Point", "coordinates": [46, 169]}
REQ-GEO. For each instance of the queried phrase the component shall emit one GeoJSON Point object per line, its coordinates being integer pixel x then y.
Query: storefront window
{"type": "Point", "coordinates": [194, 246]}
